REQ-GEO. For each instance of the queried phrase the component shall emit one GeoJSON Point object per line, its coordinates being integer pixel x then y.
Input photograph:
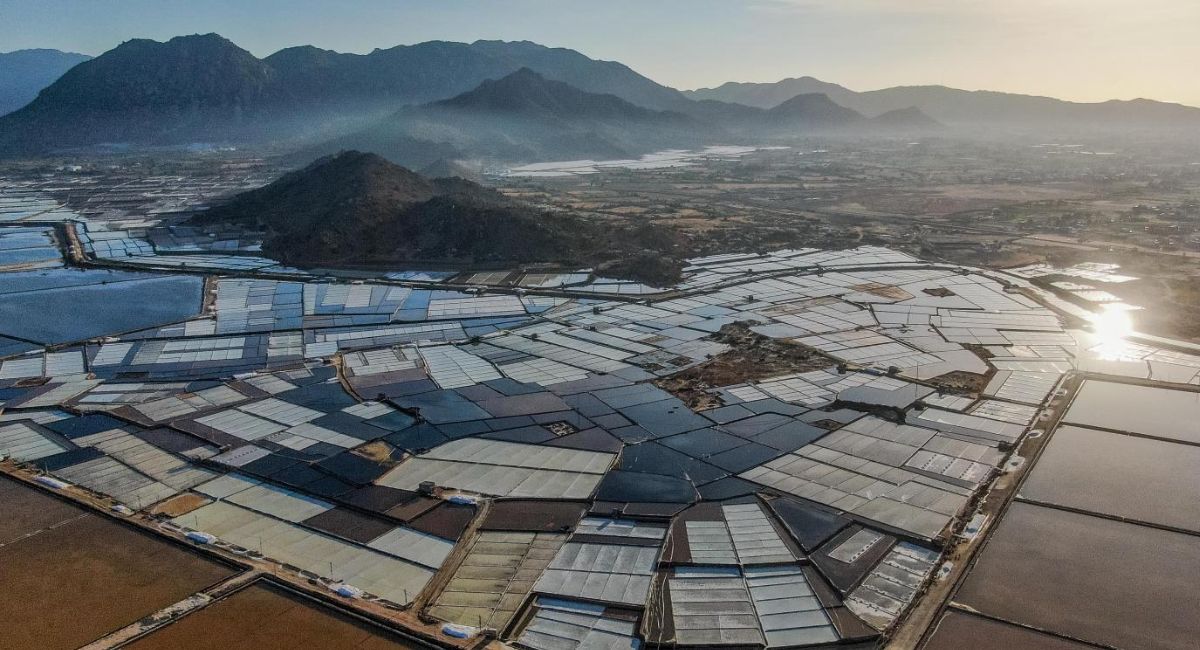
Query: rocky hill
{"type": "Point", "coordinates": [356, 209]}
{"type": "Point", "coordinates": [814, 110]}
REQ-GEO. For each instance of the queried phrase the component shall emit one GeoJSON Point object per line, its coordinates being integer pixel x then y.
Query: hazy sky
{"type": "Point", "coordinates": [1085, 50]}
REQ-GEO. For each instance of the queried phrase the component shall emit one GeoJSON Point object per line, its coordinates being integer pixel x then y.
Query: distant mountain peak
{"type": "Point", "coordinates": [304, 49]}
{"type": "Point", "coordinates": [45, 51]}
{"type": "Point", "coordinates": [770, 95]}
{"type": "Point", "coordinates": [24, 73]}
{"type": "Point", "coordinates": [499, 41]}
{"type": "Point", "coordinates": [209, 37]}
{"type": "Point", "coordinates": [210, 42]}
{"type": "Point", "coordinates": [522, 78]}
{"type": "Point", "coordinates": [965, 107]}
{"type": "Point", "coordinates": [199, 48]}
{"type": "Point", "coordinates": [906, 119]}
{"type": "Point", "coordinates": [362, 163]}
{"type": "Point", "coordinates": [804, 100]}
{"type": "Point", "coordinates": [529, 93]}
{"type": "Point", "coordinates": [815, 109]}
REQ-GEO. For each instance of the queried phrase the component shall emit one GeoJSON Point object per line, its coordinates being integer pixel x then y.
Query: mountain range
{"type": "Point", "coordinates": [205, 88]}
{"type": "Point", "coordinates": [25, 72]}
{"type": "Point", "coordinates": [524, 116]}
{"type": "Point", "coordinates": [491, 99]}
{"type": "Point", "coordinates": [963, 107]}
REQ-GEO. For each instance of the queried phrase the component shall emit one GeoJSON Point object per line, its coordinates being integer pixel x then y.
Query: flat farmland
{"type": "Point", "coordinates": [71, 576]}
{"type": "Point", "coordinates": [1102, 581]}
{"type": "Point", "coordinates": [958, 630]}
{"type": "Point", "coordinates": [266, 616]}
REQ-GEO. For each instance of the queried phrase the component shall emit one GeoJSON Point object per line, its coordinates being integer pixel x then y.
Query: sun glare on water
{"type": "Point", "coordinates": [1112, 324]}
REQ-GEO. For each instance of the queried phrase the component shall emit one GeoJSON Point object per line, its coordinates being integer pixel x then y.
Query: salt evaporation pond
{"type": "Point", "coordinates": [657, 160]}
{"type": "Point", "coordinates": [62, 305]}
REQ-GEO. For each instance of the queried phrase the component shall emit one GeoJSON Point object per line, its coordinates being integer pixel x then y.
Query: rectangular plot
{"type": "Point", "coordinates": [279, 502]}
{"type": "Point", "coordinates": [281, 411]}
{"type": "Point", "coordinates": [413, 545]}
{"type": "Point", "coordinates": [889, 495]}
{"type": "Point", "coordinates": [887, 591]}
{"type": "Point", "coordinates": [1106, 582]}
{"type": "Point", "coordinates": [148, 459]}
{"type": "Point", "coordinates": [788, 611]}
{"type": "Point", "coordinates": [967, 424]}
{"type": "Point", "coordinates": [19, 368]}
{"type": "Point", "coordinates": [492, 479]}
{"type": "Point", "coordinates": [600, 572]}
{"type": "Point", "coordinates": [374, 572]}
{"type": "Point", "coordinates": [24, 442]}
{"type": "Point", "coordinates": [754, 537]}
{"type": "Point", "coordinates": [1119, 475]}
{"type": "Point", "coordinates": [564, 625]}
{"type": "Point", "coordinates": [1019, 414]}
{"type": "Point", "coordinates": [708, 604]}
{"type": "Point", "coordinates": [316, 434]}
{"type": "Point", "coordinates": [957, 630]}
{"type": "Point", "coordinates": [1158, 412]}
{"type": "Point", "coordinates": [709, 542]}
{"type": "Point", "coordinates": [109, 476]}
{"type": "Point", "coordinates": [494, 577]}
{"type": "Point", "coordinates": [240, 424]}
{"type": "Point", "coordinates": [620, 528]}
{"type": "Point", "coordinates": [452, 367]}
{"type": "Point", "coordinates": [61, 604]}
{"type": "Point", "coordinates": [274, 615]}
{"type": "Point", "coordinates": [504, 469]}
{"type": "Point", "coordinates": [1024, 387]}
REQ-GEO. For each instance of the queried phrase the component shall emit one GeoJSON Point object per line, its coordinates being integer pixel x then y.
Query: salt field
{"type": "Point", "coordinates": [630, 451]}
{"type": "Point", "coordinates": [33, 303]}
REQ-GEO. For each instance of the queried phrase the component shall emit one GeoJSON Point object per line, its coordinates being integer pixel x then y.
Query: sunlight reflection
{"type": "Point", "coordinates": [1112, 324]}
